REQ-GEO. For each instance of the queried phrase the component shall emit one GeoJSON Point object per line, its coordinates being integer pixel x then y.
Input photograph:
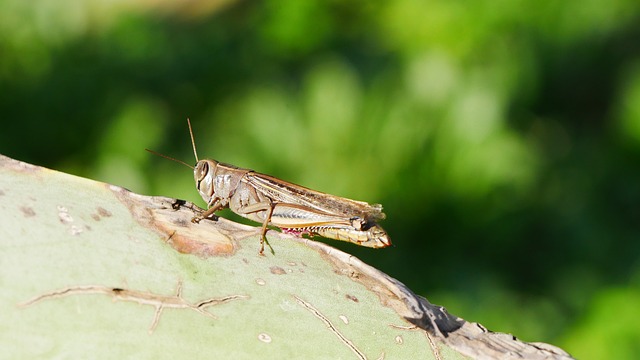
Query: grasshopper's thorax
{"type": "Point", "coordinates": [217, 182]}
{"type": "Point", "coordinates": [204, 174]}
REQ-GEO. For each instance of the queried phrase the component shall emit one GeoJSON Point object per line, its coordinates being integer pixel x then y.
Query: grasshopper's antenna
{"type": "Point", "coordinates": [170, 158]}
{"type": "Point", "coordinates": [193, 141]}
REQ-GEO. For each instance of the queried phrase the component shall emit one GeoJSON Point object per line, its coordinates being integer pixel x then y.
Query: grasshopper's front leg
{"type": "Point", "coordinates": [217, 205]}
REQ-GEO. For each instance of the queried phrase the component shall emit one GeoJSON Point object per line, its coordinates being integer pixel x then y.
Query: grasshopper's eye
{"type": "Point", "coordinates": [202, 169]}
{"type": "Point", "coordinates": [204, 179]}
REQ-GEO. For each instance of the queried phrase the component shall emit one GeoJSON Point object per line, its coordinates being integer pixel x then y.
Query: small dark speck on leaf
{"type": "Point", "coordinates": [181, 222]}
{"type": "Point", "coordinates": [27, 211]}
{"type": "Point", "coordinates": [351, 297]}
{"type": "Point", "coordinates": [103, 212]}
{"type": "Point", "coordinates": [276, 270]}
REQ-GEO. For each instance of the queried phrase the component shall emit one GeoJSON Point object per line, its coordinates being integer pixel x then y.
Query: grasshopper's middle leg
{"type": "Point", "coordinates": [261, 206]}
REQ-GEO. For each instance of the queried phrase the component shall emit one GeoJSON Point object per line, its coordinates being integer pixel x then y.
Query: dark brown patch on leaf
{"type": "Point", "coordinates": [177, 204]}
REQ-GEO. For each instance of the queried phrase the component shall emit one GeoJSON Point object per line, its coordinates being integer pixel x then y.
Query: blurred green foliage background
{"type": "Point", "coordinates": [502, 137]}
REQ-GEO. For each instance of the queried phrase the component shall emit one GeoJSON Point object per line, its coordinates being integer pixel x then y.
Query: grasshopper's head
{"type": "Point", "coordinates": [204, 173]}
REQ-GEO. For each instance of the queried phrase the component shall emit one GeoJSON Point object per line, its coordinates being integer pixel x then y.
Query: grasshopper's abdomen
{"type": "Point", "coordinates": [298, 220]}
{"type": "Point", "coordinates": [374, 237]}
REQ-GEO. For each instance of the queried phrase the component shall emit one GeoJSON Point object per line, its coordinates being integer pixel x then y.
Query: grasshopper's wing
{"type": "Point", "coordinates": [286, 192]}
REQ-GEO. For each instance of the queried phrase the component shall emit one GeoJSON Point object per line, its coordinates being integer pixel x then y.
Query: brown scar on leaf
{"type": "Point", "coordinates": [432, 344]}
{"type": "Point", "coordinates": [434, 347]}
{"type": "Point", "coordinates": [159, 302]}
{"type": "Point", "coordinates": [401, 327]}
{"type": "Point", "coordinates": [331, 327]}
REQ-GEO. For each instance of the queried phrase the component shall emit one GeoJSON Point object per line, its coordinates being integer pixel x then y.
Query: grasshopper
{"type": "Point", "coordinates": [292, 208]}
